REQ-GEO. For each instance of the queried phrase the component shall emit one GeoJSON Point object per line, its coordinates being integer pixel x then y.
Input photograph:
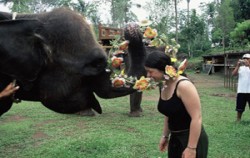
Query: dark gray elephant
{"type": "Point", "coordinates": [134, 61]}
{"type": "Point", "coordinates": [55, 60]}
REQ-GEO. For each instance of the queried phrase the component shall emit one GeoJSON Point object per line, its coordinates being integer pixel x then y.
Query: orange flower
{"type": "Point", "coordinates": [141, 84]}
{"type": "Point", "coordinates": [170, 71]}
{"type": "Point", "coordinates": [150, 33]}
{"type": "Point", "coordinates": [124, 45]}
{"type": "Point", "coordinates": [118, 82]}
{"type": "Point", "coordinates": [116, 61]}
{"type": "Point", "coordinates": [182, 66]}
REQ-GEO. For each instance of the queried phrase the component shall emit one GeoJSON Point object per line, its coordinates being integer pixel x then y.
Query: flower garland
{"type": "Point", "coordinates": [152, 39]}
{"type": "Point", "coordinates": [119, 78]}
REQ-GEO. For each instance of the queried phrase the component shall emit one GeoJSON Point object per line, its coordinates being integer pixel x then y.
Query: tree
{"type": "Point", "coordinates": [18, 5]}
{"type": "Point", "coordinates": [176, 20]}
{"type": "Point", "coordinates": [161, 13]}
{"type": "Point", "coordinates": [88, 9]}
{"type": "Point", "coordinates": [121, 12]}
{"type": "Point", "coordinates": [241, 34]}
{"type": "Point", "coordinates": [193, 35]}
{"type": "Point", "coordinates": [241, 9]}
{"type": "Point", "coordinates": [225, 21]}
{"type": "Point", "coordinates": [188, 17]}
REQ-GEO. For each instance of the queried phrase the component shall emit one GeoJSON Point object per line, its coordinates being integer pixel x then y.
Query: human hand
{"type": "Point", "coordinates": [9, 90]}
{"type": "Point", "coordinates": [189, 153]}
{"type": "Point", "coordinates": [163, 144]}
{"type": "Point", "coordinates": [240, 62]}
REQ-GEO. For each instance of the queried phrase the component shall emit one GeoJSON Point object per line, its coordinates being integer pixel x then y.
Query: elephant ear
{"type": "Point", "coordinates": [21, 49]}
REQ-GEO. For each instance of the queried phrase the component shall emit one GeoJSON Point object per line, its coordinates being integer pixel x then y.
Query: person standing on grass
{"type": "Point", "coordinates": [179, 102]}
{"type": "Point", "coordinates": [8, 90]}
{"type": "Point", "coordinates": [242, 69]}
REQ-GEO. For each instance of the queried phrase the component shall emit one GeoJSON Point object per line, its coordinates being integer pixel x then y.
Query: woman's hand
{"type": "Point", "coordinates": [189, 153]}
{"type": "Point", "coordinates": [9, 90]}
{"type": "Point", "coordinates": [163, 144]}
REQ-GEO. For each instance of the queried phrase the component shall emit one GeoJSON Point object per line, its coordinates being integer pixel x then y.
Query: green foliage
{"type": "Point", "coordinates": [37, 6]}
{"type": "Point", "coordinates": [194, 35]}
{"type": "Point", "coordinates": [160, 12]}
{"type": "Point", "coordinates": [225, 21]}
{"type": "Point", "coordinates": [241, 9]}
{"type": "Point", "coordinates": [211, 9]}
{"type": "Point", "coordinates": [241, 34]}
{"type": "Point", "coordinates": [217, 35]}
{"type": "Point", "coordinates": [121, 13]}
{"type": "Point", "coordinates": [88, 9]}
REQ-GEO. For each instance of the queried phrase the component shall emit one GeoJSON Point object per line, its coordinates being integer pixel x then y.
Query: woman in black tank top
{"type": "Point", "coordinates": [183, 133]}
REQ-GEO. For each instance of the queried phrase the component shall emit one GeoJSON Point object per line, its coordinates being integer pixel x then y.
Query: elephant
{"type": "Point", "coordinates": [56, 60]}
{"type": "Point", "coordinates": [138, 50]}
{"type": "Point", "coordinates": [134, 62]}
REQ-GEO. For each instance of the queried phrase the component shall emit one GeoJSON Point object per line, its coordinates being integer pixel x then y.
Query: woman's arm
{"type": "Point", "coordinates": [185, 91]}
{"type": "Point", "coordinates": [165, 135]}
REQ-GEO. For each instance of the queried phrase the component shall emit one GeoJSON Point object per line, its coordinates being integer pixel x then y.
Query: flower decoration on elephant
{"type": "Point", "coordinates": [119, 77]}
{"type": "Point", "coordinates": [152, 39]}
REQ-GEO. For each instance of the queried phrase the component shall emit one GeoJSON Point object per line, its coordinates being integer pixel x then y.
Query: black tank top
{"type": "Point", "coordinates": [174, 109]}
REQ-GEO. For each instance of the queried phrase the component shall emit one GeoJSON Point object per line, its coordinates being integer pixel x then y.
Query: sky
{"type": "Point", "coordinates": [140, 12]}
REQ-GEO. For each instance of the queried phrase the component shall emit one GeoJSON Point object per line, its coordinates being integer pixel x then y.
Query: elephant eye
{"type": "Point", "coordinates": [100, 63]}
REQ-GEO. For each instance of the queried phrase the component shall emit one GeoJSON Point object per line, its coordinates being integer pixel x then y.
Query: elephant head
{"type": "Point", "coordinates": [56, 60]}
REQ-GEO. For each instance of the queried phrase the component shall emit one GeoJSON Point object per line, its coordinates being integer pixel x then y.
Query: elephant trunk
{"type": "Point", "coordinates": [103, 88]}
{"type": "Point", "coordinates": [136, 50]}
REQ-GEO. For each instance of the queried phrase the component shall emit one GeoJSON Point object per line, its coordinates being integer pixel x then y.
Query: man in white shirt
{"type": "Point", "coordinates": [242, 69]}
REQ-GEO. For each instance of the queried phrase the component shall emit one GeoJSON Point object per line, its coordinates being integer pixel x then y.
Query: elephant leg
{"type": "Point", "coordinates": [87, 112]}
{"type": "Point", "coordinates": [94, 104]}
{"type": "Point", "coordinates": [5, 105]}
{"type": "Point", "coordinates": [135, 104]}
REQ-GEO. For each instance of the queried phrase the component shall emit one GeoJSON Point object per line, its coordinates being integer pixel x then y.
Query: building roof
{"type": "Point", "coordinates": [227, 53]}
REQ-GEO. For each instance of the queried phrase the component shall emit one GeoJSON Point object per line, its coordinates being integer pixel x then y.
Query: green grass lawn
{"type": "Point", "coordinates": [29, 130]}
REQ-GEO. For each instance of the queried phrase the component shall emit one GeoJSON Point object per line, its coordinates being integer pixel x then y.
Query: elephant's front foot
{"type": "Point", "coordinates": [137, 113]}
{"type": "Point", "coordinates": [87, 112]}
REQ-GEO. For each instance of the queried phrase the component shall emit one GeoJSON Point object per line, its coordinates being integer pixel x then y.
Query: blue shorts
{"type": "Point", "coordinates": [241, 101]}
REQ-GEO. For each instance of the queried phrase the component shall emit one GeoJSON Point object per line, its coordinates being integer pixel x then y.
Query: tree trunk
{"type": "Point", "coordinates": [176, 21]}
{"type": "Point", "coordinates": [188, 22]}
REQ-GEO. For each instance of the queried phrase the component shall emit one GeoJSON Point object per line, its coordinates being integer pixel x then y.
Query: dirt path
{"type": "Point", "coordinates": [204, 80]}
{"type": "Point", "coordinates": [216, 81]}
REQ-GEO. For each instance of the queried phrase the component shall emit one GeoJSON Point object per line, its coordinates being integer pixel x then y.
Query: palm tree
{"type": "Point", "coordinates": [188, 17]}
{"type": "Point", "coordinates": [176, 20]}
